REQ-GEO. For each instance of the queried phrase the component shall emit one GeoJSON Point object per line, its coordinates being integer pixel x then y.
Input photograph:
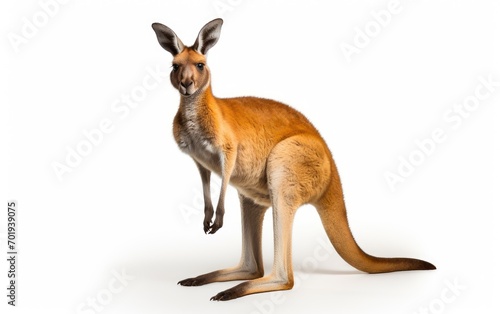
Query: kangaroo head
{"type": "Point", "coordinates": [190, 72]}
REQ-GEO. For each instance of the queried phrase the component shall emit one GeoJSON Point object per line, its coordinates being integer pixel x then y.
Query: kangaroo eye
{"type": "Point", "coordinates": [200, 66]}
{"type": "Point", "coordinates": [175, 67]}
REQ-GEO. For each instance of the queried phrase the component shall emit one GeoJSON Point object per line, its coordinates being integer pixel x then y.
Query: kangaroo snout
{"type": "Point", "coordinates": [186, 88]}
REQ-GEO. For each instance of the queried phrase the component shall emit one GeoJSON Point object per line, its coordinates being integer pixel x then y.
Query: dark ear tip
{"type": "Point", "coordinates": [219, 21]}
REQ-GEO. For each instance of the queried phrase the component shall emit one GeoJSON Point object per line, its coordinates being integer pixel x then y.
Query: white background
{"type": "Point", "coordinates": [133, 203]}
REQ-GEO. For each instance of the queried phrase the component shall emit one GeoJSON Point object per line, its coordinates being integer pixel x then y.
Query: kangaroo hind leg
{"type": "Point", "coordinates": [251, 265]}
{"type": "Point", "coordinates": [294, 167]}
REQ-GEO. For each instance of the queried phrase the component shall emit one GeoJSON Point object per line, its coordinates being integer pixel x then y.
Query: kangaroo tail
{"type": "Point", "coordinates": [331, 208]}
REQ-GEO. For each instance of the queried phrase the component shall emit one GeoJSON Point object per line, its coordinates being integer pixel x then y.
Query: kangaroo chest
{"type": "Point", "coordinates": [195, 139]}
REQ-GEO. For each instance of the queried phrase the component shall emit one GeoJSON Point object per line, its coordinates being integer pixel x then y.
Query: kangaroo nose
{"type": "Point", "coordinates": [186, 85]}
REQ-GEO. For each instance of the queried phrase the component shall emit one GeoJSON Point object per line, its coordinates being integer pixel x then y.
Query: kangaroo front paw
{"type": "Point", "coordinates": [216, 225]}
{"type": "Point", "coordinates": [207, 225]}
{"type": "Point", "coordinates": [207, 221]}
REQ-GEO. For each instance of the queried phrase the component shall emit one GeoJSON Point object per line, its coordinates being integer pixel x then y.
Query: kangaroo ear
{"type": "Point", "coordinates": [168, 39]}
{"type": "Point", "coordinates": [208, 36]}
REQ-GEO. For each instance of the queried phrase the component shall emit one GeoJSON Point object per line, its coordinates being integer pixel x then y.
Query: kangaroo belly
{"type": "Point", "coordinates": [249, 176]}
{"type": "Point", "coordinates": [260, 197]}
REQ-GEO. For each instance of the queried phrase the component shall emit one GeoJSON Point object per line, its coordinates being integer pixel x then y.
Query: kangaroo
{"type": "Point", "coordinates": [273, 156]}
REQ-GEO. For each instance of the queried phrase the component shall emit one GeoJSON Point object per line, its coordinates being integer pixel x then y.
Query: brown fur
{"type": "Point", "coordinates": [273, 156]}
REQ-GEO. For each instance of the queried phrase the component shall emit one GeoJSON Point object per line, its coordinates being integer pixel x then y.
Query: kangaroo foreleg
{"type": "Point", "coordinates": [209, 210]}
{"type": "Point", "coordinates": [228, 161]}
